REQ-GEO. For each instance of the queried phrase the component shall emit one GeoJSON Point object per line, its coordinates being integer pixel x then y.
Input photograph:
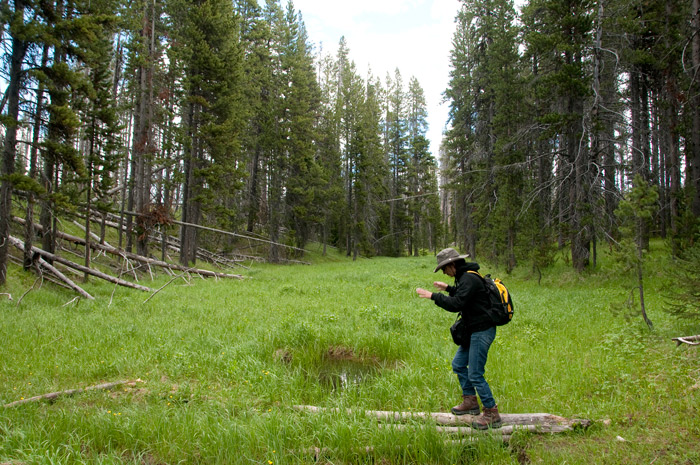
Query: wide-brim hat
{"type": "Point", "coordinates": [447, 256]}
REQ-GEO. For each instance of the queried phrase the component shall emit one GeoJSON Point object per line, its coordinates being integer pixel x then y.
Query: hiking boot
{"type": "Point", "coordinates": [489, 418]}
{"type": "Point", "coordinates": [469, 406]}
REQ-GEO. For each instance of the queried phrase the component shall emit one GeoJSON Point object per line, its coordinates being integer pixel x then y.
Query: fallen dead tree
{"type": "Point", "coordinates": [452, 426]}
{"type": "Point", "coordinates": [71, 392]}
{"type": "Point", "coordinates": [689, 340]}
{"type": "Point", "coordinates": [506, 429]}
{"type": "Point", "coordinates": [135, 257]}
{"type": "Point", "coordinates": [39, 261]}
{"type": "Point", "coordinates": [541, 423]}
{"type": "Point", "coordinates": [98, 274]}
{"type": "Point", "coordinates": [448, 419]}
{"type": "Point", "coordinates": [171, 242]}
{"type": "Point", "coordinates": [205, 254]}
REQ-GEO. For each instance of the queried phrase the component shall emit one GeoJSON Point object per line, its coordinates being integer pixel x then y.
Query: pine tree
{"type": "Point", "coordinates": [557, 34]}
{"type": "Point", "coordinates": [328, 151]}
{"type": "Point", "coordinates": [101, 125]}
{"type": "Point", "coordinates": [17, 26]}
{"type": "Point", "coordinates": [211, 58]}
{"type": "Point", "coordinates": [694, 70]}
{"type": "Point", "coordinates": [277, 160]}
{"type": "Point", "coordinates": [636, 213]}
{"type": "Point", "coordinates": [76, 32]}
{"type": "Point", "coordinates": [256, 85]}
{"type": "Point", "coordinates": [348, 106]}
{"type": "Point", "coordinates": [459, 142]}
{"type": "Point", "coordinates": [396, 140]}
{"type": "Point", "coordinates": [147, 32]}
{"type": "Point", "coordinates": [422, 183]}
{"type": "Point", "coordinates": [486, 119]}
{"type": "Point", "coordinates": [303, 99]}
{"type": "Point", "coordinates": [370, 190]}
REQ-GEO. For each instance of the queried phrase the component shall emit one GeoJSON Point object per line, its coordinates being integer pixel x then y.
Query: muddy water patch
{"type": "Point", "coordinates": [340, 368]}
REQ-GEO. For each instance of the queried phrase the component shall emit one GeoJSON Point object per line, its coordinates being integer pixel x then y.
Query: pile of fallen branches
{"type": "Point", "coordinates": [56, 268]}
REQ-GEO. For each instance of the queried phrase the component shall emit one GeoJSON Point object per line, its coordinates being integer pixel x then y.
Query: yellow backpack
{"type": "Point", "coordinates": [501, 311]}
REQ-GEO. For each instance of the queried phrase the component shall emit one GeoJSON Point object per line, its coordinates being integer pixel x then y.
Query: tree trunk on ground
{"type": "Point", "coordinates": [53, 270]}
{"type": "Point", "coordinates": [76, 266]}
{"type": "Point", "coordinates": [448, 419]}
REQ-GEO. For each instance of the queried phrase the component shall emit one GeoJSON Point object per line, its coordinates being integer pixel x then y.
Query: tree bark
{"type": "Point", "coordinates": [19, 49]}
{"type": "Point", "coordinates": [190, 204]}
{"type": "Point", "coordinates": [253, 195]}
{"type": "Point", "coordinates": [33, 165]}
{"type": "Point", "coordinates": [143, 129]}
{"type": "Point", "coordinates": [694, 182]}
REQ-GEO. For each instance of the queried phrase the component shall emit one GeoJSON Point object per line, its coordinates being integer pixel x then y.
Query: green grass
{"type": "Point", "coordinates": [223, 362]}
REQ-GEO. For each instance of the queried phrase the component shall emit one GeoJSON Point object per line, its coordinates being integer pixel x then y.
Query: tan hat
{"type": "Point", "coordinates": [447, 256]}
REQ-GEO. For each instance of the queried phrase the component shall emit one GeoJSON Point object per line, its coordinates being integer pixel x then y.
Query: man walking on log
{"type": "Point", "coordinates": [469, 297]}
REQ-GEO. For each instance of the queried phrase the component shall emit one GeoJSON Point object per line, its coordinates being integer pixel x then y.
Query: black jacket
{"type": "Point", "coordinates": [469, 296]}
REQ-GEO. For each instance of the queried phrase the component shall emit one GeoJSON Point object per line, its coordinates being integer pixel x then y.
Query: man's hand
{"type": "Point", "coordinates": [440, 286]}
{"type": "Point", "coordinates": [422, 293]}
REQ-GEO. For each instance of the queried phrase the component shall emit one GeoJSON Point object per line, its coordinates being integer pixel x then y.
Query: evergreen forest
{"type": "Point", "coordinates": [573, 123]}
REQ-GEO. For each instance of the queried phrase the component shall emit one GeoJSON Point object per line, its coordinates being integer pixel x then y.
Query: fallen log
{"type": "Point", "coordinates": [65, 279]}
{"type": "Point", "coordinates": [139, 258]}
{"type": "Point", "coordinates": [94, 236]}
{"type": "Point", "coordinates": [170, 241]}
{"type": "Point", "coordinates": [218, 231]}
{"type": "Point", "coordinates": [503, 430]}
{"type": "Point", "coordinates": [98, 274]}
{"type": "Point", "coordinates": [467, 439]}
{"type": "Point", "coordinates": [448, 419]}
{"type": "Point", "coordinates": [690, 340]}
{"type": "Point", "coordinates": [44, 264]}
{"type": "Point", "coordinates": [226, 233]}
{"type": "Point", "coordinates": [204, 254]}
{"type": "Point", "coordinates": [146, 260]}
{"type": "Point", "coordinates": [70, 392]}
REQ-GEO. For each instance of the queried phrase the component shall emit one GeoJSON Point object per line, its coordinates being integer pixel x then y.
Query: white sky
{"type": "Point", "coordinates": [414, 36]}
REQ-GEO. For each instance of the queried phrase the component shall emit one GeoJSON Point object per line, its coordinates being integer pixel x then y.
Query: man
{"type": "Point", "coordinates": [469, 297]}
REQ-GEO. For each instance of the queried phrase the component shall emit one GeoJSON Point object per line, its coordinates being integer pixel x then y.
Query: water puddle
{"type": "Point", "coordinates": [341, 368]}
{"type": "Point", "coordinates": [336, 375]}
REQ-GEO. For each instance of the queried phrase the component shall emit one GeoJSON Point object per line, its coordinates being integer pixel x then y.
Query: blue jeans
{"type": "Point", "coordinates": [469, 365]}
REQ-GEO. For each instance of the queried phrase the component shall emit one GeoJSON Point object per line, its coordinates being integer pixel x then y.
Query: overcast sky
{"type": "Point", "coordinates": [411, 35]}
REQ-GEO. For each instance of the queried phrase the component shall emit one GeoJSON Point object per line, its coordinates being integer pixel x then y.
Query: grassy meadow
{"type": "Point", "coordinates": [221, 363]}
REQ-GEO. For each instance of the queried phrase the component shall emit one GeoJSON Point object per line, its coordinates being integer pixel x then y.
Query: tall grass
{"type": "Point", "coordinates": [223, 362]}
